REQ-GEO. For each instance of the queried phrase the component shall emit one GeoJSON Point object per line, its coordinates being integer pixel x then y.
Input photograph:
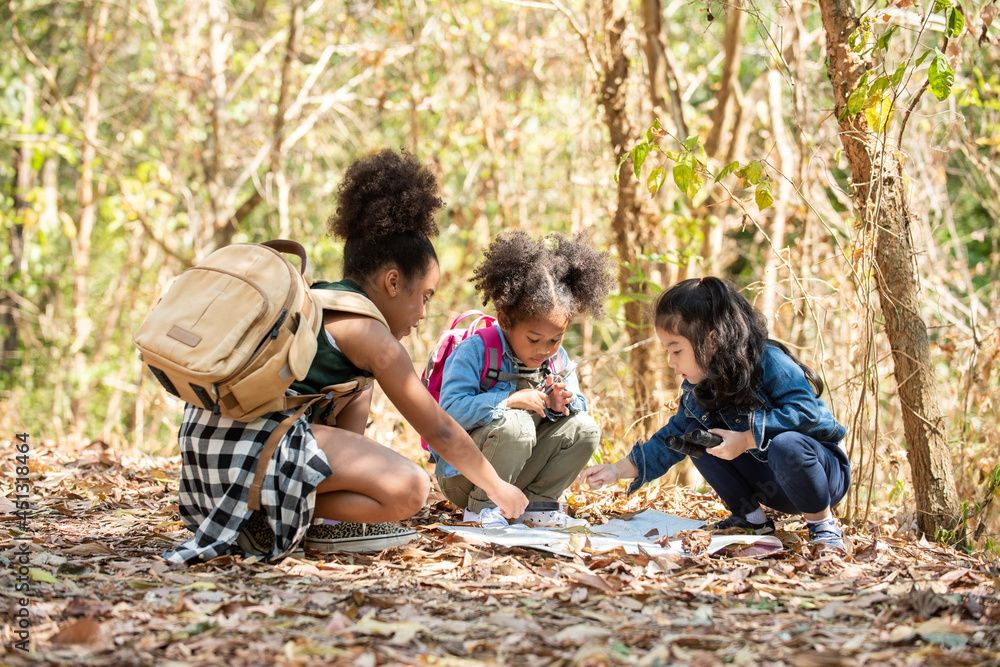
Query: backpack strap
{"type": "Point", "coordinates": [492, 354]}
{"type": "Point", "coordinates": [468, 313]}
{"type": "Point", "coordinates": [492, 359]}
{"type": "Point", "coordinates": [291, 248]}
{"type": "Point", "coordinates": [271, 444]}
{"type": "Point", "coordinates": [346, 302]}
{"type": "Point", "coordinates": [328, 405]}
{"type": "Point", "coordinates": [324, 299]}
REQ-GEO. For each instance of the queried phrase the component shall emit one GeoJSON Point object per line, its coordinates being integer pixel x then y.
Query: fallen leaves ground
{"type": "Point", "coordinates": [102, 595]}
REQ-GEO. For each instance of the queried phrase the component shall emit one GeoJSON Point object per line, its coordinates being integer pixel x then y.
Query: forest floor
{"type": "Point", "coordinates": [101, 594]}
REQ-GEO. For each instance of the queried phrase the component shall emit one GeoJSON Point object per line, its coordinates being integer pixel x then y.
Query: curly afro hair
{"type": "Point", "coordinates": [526, 277]}
{"type": "Point", "coordinates": [385, 214]}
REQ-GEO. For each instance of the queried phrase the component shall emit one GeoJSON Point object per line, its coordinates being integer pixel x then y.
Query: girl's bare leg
{"type": "Point", "coordinates": [354, 416]}
{"type": "Point", "coordinates": [370, 482]}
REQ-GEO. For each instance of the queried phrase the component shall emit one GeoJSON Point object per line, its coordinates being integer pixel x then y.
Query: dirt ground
{"type": "Point", "coordinates": [102, 596]}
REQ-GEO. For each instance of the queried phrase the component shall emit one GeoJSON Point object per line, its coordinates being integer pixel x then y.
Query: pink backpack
{"type": "Point", "coordinates": [482, 325]}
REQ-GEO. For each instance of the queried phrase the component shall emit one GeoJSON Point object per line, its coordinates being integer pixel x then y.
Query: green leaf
{"type": "Point", "coordinates": [728, 169]}
{"type": "Point", "coordinates": [762, 195]}
{"type": "Point", "coordinates": [639, 154]}
{"type": "Point", "coordinates": [656, 179]}
{"type": "Point", "coordinates": [923, 57]}
{"type": "Point", "coordinates": [621, 160]}
{"type": "Point", "coordinates": [193, 629]}
{"type": "Point", "coordinates": [38, 574]}
{"type": "Point", "coordinates": [696, 184]}
{"type": "Point", "coordinates": [956, 22]}
{"type": "Point", "coordinates": [858, 39]}
{"type": "Point", "coordinates": [941, 5]}
{"type": "Point", "coordinates": [876, 90]}
{"type": "Point", "coordinates": [683, 176]}
{"type": "Point", "coordinates": [897, 76]}
{"type": "Point", "coordinates": [882, 43]}
{"type": "Point", "coordinates": [879, 114]}
{"type": "Point", "coordinates": [940, 75]}
{"type": "Point", "coordinates": [144, 171]}
{"type": "Point", "coordinates": [38, 158]}
{"type": "Point", "coordinates": [856, 100]}
{"type": "Point", "coordinates": [691, 143]}
{"type": "Point", "coordinates": [199, 586]}
{"type": "Point", "coordinates": [752, 172]}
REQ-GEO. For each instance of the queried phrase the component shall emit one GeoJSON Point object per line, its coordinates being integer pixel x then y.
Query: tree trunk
{"type": "Point", "coordinates": [736, 21]}
{"type": "Point", "coordinates": [880, 199]}
{"type": "Point", "coordinates": [277, 150]}
{"type": "Point", "coordinates": [97, 18]}
{"type": "Point", "coordinates": [626, 224]}
{"type": "Point", "coordinates": [662, 74]}
{"type": "Point", "coordinates": [222, 227]}
{"type": "Point", "coordinates": [20, 185]}
{"type": "Point", "coordinates": [784, 164]}
{"type": "Point", "coordinates": [722, 138]}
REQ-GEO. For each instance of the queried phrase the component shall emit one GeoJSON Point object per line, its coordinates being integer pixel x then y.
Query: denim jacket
{"type": "Point", "coordinates": [462, 398]}
{"type": "Point", "coordinates": [789, 404]}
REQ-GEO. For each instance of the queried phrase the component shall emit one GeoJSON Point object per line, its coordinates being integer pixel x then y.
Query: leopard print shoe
{"type": "Point", "coordinates": [348, 537]}
{"type": "Point", "coordinates": [256, 537]}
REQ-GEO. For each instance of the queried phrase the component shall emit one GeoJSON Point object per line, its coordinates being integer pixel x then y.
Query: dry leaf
{"type": "Point", "coordinates": [82, 631]}
{"type": "Point", "coordinates": [402, 632]}
{"type": "Point", "coordinates": [580, 633]}
{"type": "Point", "coordinates": [90, 549]}
{"type": "Point", "coordinates": [590, 579]}
{"type": "Point", "coordinates": [694, 542]}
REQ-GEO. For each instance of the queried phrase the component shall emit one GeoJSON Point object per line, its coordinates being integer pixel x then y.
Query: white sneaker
{"type": "Point", "coordinates": [490, 517]}
{"type": "Point", "coordinates": [550, 519]}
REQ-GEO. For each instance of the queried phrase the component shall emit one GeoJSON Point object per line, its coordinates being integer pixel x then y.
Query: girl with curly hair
{"type": "Point", "coordinates": [354, 485]}
{"type": "Point", "coordinates": [532, 423]}
{"type": "Point", "coordinates": [780, 445]}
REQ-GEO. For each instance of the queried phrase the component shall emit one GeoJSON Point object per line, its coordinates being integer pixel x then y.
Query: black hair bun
{"type": "Point", "coordinates": [584, 271]}
{"type": "Point", "coordinates": [384, 194]}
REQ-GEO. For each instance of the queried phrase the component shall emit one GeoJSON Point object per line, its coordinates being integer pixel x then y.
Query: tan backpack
{"type": "Point", "coordinates": [233, 332]}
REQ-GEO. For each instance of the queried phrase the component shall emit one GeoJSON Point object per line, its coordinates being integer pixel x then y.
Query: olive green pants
{"type": "Point", "coordinates": [538, 456]}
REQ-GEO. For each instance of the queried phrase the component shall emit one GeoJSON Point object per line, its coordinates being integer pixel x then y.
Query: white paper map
{"type": "Point", "coordinates": [633, 535]}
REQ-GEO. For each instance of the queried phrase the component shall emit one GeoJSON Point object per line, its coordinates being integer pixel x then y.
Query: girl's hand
{"type": "Point", "coordinates": [531, 400]}
{"type": "Point", "coordinates": [509, 499]}
{"type": "Point", "coordinates": [558, 398]}
{"type": "Point", "coordinates": [734, 443]}
{"type": "Point", "coordinates": [607, 473]}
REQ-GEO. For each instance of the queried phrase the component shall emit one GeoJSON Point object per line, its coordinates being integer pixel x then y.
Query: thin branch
{"type": "Point", "coordinates": [47, 74]}
{"type": "Point", "coordinates": [565, 11]}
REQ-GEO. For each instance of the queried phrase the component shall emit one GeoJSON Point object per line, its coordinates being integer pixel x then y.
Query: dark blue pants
{"type": "Point", "coordinates": [800, 475]}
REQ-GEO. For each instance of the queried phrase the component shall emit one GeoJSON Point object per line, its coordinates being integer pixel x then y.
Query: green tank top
{"type": "Point", "coordinates": [330, 365]}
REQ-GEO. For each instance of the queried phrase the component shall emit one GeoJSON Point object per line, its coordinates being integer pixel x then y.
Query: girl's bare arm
{"type": "Point", "coordinates": [371, 346]}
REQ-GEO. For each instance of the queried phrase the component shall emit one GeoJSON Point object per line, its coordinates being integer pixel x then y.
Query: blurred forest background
{"type": "Point", "coordinates": [687, 137]}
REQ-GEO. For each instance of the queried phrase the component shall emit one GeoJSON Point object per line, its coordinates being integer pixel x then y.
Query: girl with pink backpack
{"type": "Point", "coordinates": [512, 386]}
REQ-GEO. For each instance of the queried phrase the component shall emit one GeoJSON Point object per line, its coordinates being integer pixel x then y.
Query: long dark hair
{"type": "Point", "coordinates": [728, 336]}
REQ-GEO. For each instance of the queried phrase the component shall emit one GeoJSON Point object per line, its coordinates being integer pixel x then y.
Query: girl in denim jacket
{"type": "Point", "coordinates": [531, 425]}
{"type": "Point", "coordinates": [780, 443]}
